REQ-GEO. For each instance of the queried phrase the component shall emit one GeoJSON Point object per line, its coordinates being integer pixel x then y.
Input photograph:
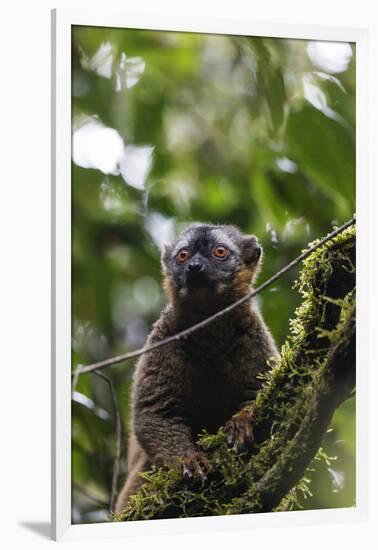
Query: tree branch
{"type": "Point", "coordinates": [315, 373]}
{"type": "Point", "coordinates": [335, 382]}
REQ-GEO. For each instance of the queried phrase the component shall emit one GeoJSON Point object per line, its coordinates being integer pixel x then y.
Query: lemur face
{"type": "Point", "coordinates": [211, 257]}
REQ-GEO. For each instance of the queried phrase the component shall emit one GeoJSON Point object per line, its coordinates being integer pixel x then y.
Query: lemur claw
{"type": "Point", "coordinates": [195, 465]}
{"type": "Point", "coordinates": [239, 430]}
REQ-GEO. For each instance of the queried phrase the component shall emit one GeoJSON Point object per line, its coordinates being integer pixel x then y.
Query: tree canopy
{"type": "Point", "coordinates": [170, 128]}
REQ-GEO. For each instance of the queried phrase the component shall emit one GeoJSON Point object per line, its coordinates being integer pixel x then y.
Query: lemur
{"type": "Point", "coordinates": [209, 379]}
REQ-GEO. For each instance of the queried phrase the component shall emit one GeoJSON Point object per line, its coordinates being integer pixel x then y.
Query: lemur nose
{"type": "Point", "coordinates": [196, 266]}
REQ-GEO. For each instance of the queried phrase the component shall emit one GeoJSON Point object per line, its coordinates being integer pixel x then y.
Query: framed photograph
{"type": "Point", "coordinates": [208, 177]}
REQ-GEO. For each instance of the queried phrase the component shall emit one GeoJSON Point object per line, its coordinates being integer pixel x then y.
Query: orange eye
{"type": "Point", "coordinates": [220, 252]}
{"type": "Point", "coordinates": [182, 255]}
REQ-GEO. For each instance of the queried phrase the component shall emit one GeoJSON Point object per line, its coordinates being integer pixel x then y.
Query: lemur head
{"type": "Point", "coordinates": [208, 259]}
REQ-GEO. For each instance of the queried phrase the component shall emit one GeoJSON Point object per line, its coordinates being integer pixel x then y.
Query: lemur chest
{"type": "Point", "coordinates": [213, 390]}
{"type": "Point", "coordinates": [217, 371]}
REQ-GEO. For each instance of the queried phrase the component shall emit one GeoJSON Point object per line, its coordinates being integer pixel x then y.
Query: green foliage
{"type": "Point", "coordinates": [235, 141]}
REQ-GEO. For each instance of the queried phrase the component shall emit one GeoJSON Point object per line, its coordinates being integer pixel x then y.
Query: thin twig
{"type": "Point", "coordinates": [75, 378]}
{"type": "Point", "coordinates": [136, 353]}
{"type": "Point", "coordinates": [117, 457]}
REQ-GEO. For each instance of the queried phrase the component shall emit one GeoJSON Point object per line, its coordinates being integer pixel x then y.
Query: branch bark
{"type": "Point", "coordinates": [315, 373]}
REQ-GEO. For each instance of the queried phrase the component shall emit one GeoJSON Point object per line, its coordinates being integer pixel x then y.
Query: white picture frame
{"type": "Point", "coordinates": [62, 22]}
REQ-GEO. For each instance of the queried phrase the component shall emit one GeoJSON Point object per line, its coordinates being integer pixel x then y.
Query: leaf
{"type": "Point", "coordinates": [270, 82]}
{"type": "Point", "coordinates": [324, 150]}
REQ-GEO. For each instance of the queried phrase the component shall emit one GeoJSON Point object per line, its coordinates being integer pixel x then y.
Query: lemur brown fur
{"type": "Point", "coordinates": [210, 378]}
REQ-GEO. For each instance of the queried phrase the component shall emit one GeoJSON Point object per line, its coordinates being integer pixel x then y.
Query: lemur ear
{"type": "Point", "coordinates": [251, 250]}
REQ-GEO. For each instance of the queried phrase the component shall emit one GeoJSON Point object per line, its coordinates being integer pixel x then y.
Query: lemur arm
{"type": "Point", "coordinates": [261, 349]}
{"type": "Point", "coordinates": [160, 422]}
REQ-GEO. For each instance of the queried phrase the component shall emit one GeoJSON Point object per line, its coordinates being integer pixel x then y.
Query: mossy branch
{"type": "Point", "coordinates": [315, 373]}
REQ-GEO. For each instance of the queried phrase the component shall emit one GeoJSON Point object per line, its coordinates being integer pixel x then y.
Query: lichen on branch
{"type": "Point", "coordinates": [315, 373]}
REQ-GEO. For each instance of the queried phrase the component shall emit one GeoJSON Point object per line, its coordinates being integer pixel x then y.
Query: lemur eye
{"type": "Point", "coordinates": [220, 252]}
{"type": "Point", "coordinates": [182, 255]}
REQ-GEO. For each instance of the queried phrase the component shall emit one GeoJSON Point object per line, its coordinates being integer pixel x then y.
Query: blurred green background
{"type": "Point", "coordinates": [170, 128]}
